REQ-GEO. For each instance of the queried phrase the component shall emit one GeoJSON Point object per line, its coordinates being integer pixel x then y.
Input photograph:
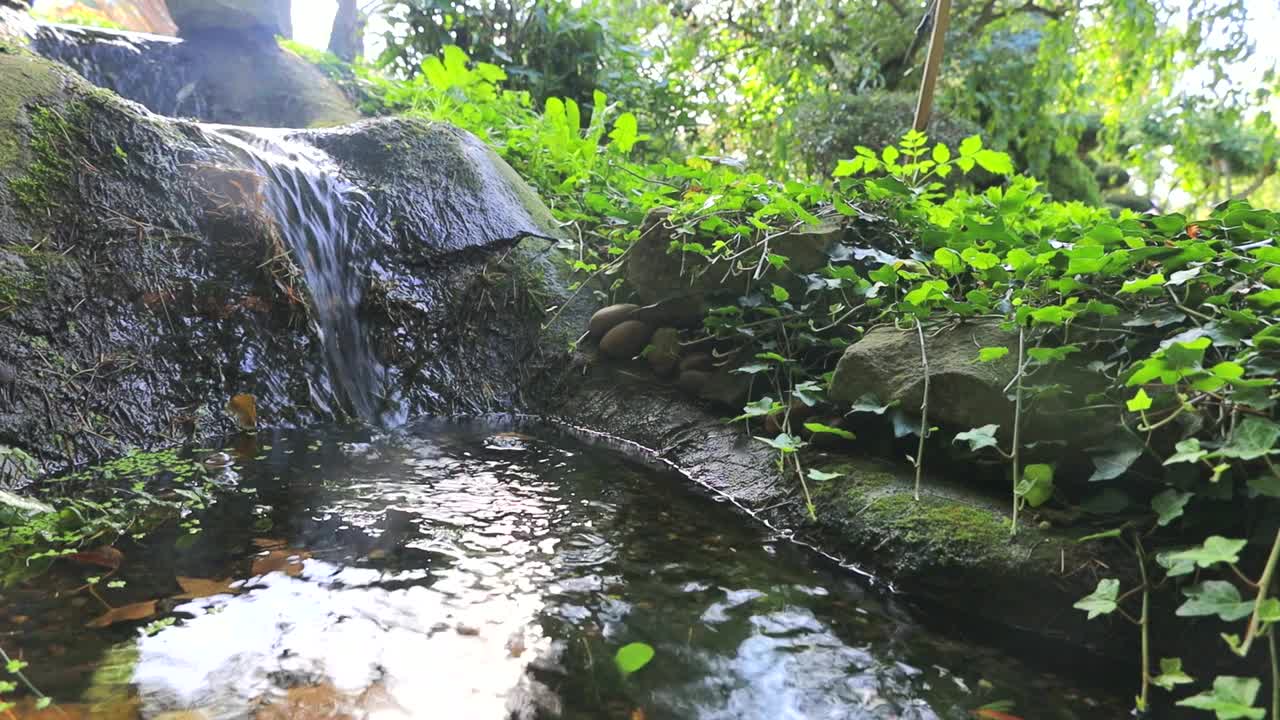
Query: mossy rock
{"type": "Point", "coordinates": [1069, 178]}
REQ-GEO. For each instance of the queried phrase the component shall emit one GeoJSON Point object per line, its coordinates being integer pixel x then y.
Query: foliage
{"type": "Point", "coordinates": [96, 506]}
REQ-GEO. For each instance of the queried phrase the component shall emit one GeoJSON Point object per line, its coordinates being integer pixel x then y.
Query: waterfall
{"type": "Point", "coordinates": [328, 225]}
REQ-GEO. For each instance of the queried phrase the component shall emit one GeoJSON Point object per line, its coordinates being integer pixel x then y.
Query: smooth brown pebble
{"type": "Point", "coordinates": [664, 351]}
{"type": "Point", "coordinates": [610, 317]}
{"type": "Point", "coordinates": [692, 381]}
{"type": "Point", "coordinates": [626, 340]}
{"type": "Point", "coordinates": [698, 361]}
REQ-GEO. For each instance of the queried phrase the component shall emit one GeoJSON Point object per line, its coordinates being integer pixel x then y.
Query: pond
{"type": "Point", "coordinates": [460, 571]}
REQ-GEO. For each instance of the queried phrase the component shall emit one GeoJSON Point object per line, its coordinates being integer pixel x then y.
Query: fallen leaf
{"type": "Point", "coordinates": [243, 408]}
{"type": "Point", "coordinates": [987, 714]}
{"type": "Point", "coordinates": [268, 543]}
{"type": "Point", "coordinates": [638, 714]}
{"type": "Point", "coordinates": [105, 556]}
{"type": "Point", "coordinates": [126, 613]}
{"type": "Point", "coordinates": [286, 560]}
{"type": "Point", "coordinates": [193, 588]}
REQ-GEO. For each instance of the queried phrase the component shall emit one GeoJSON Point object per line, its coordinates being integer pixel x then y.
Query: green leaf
{"type": "Point", "coordinates": [869, 403]}
{"type": "Point", "coordinates": [783, 443]}
{"type": "Point", "coordinates": [1141, 401]}
{"type": "Point", "coordinates": [970, 146]}
{"type": "Point", "coordinates": [996, 163]}
{"type": "Point", "coordinates": [1232, 698]}
{"type": "Point", "coordinates": [819, 429]}
{"type": "Point", "coordinates": [820, 476]}
{"type": "Point", "coordinates": [1215, 597]}
{"type": "Point", "coordinates": [14, 667]}
{"type": "Point", "coordinates": [1151, 282]}
{"type": "Point", "coordinates": [780, 294]}
{"type": "Point", "coordinates": [44, 703]}
{"type": "Point", "coordinates": [1102, 601]}
{"type": "Point", "coordinates": [948, 260]}
{"type": "Point", "coordinates": [941, 153]}
{"type": "Point", "coordinates": [1253, 438]}
{"type": "Point", "coordinates": [1115, 458]}
{"type": "Point", "coordinates": [759, 408]}
{"type": "Point", "coordinates": [1036, 486]}
{"type": "Point", "coordinates": [752, 368]}
{"type": "Point", "coordinates": [1171, 674]}
{"type": "Point", "coordinates": [1187, 451]}
{"type": "Point", "coordinates": [633, 657]}
{"type": "Point", "coordinates": [625, 132]}
{"type": "Point", "coordinates": [979, 438]}
{"type": "Point", "coordinates": [1169, 505]}
{"type": "Point", "coordinates": [1216, 549]}
{"type": "Point", "coordinates": [991, 354]}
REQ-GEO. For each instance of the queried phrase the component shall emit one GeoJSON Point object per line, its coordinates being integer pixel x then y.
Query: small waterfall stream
{"type": "Point", "coordinates": [327, 224]}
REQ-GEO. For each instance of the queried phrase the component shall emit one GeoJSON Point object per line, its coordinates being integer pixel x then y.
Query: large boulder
{"type": "Point", "coordinates": [148, 16]}
{"type": "Point", "coordinates": [262, 18]}
{"type": "Point", "coordinates": [229, 77]}
{"type": "Point", "coordinates": [147, 278]}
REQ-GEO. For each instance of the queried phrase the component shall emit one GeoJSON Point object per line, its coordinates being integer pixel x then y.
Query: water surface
{"type": "Point", "coordinates": [460, 572]}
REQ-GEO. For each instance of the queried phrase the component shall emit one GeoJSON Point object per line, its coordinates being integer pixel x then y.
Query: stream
{"type": "Point", "coordinates": [465, 571]}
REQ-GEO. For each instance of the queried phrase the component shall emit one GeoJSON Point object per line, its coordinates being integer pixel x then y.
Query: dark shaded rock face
{"type": "Point", "coordinates": [216, 75]}
{"type": "Point", "coordinates": [261, 17]}
{"type": "Point", "coordinates": [146, 279]}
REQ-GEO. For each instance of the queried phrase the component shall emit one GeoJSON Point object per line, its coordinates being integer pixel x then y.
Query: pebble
{"type": "Point", "coordinates": [606, 319]}
{"type": "Point", "coordinates": [626, 340]}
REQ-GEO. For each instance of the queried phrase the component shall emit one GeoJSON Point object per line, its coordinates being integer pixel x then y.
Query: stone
{"type": "Point", "coordinates": [663, 355]}
{"type": "Point", "coordinates": [606, 318]}
{"type": "Point", "coordinates": [698, 361]}
{"type": "Point", "coordinates": [692, 381]}
{"type": "Point", "coordinates": [204, 76]}
{"type": "Point", "coordinates": [964, 393]}
{"type": "Point", "coordinates": [626, 340]}
{"type": "Point", "coordinates": [685, 280]}
{"type": "Point", "coordinates": [266, 18]}
{"type": "Point", "coordinates": [147, 16]}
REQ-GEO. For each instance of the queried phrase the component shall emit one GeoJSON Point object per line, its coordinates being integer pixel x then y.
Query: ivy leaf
{"type": "Point", "coordinates": [780, 294]}
{"type": "Point", "coordinates": [1141, 401]}
{"type": "Point", "coordinates": [1171, 674]}
{"type": "Point", "coordinates": [1036, 486]}
{"type": "Point", "coordinates": [633, 657]}
{"type": "Point", "coordinates": [783, 443]}
{"type": "Point", "coordinates": [1216, 549]}
{"type": "Point", "coordinates": [1268, 485]}
{"type": "Point", "coordinates": [978, 438]}
{"type": "Point", "coordinates": [1232, 698]}
{"type": "Point", "coordinates": [1253, 438]}
{"type": "Point", "coordinates": [819, 428]}
{"type": "Point", "coordinates": [1103, 599]}
{"type": "Point", "coordinates": [1151, 282]}
{"type": "Point", "coordinates": [1187, 451]}
{"type": "Point", "coordinates": [1115, 458]}
{"type": "Point", "coordinates": [1169, 505]}
{"type": "Point", "coordinates": [1215, 597]}
{"type": "Point", "coordinates": [869, 403]}
{"type": "Point", "coordinates": [759, 408]}
{"type": "Point", "coordinates": [948, 260]}
{"type": "Point", "coordinates": [991, 354]}
{"type": "Point", "coordinates": [820, 476]}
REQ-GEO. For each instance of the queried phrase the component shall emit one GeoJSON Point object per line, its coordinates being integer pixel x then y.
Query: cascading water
{"type": "Point", "coordinates": [328, 225]}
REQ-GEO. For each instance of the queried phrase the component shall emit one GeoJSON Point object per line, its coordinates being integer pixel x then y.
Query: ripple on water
{"type": "Point", "coordinates": [463, 575]}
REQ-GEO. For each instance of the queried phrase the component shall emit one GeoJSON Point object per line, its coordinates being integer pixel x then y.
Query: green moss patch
{"type": "Point", "coordinates": [24, 79]}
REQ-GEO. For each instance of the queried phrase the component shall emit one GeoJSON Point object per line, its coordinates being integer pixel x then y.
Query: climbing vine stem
{"type": "Point", "coordinates": [924, 410]}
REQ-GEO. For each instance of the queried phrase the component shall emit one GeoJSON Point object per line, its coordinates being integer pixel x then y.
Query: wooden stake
{"type": "Point", "coordinates": [933, 64]}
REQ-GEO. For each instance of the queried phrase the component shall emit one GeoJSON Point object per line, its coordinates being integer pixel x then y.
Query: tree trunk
{"type": "Point", "coordinates": [347, 39]}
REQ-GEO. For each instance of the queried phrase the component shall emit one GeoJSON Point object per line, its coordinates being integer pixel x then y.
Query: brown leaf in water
{"type": "Point", "coordinates": [284, 560]}
{"type": "Point", "coordinates": [126, 613]}
{"type": "Point", "coordinates": [193, 588]}
{"type": "Point", "coordinates": [268, 543]}
{"type": "Point", "coordinates": [243, 408]}
{"type": "Point", "coordinates": [637, 714]}
{"type": "Point", "coordinates": [105, 556]}
{"type": "Point", "coordinates": [315, 701]}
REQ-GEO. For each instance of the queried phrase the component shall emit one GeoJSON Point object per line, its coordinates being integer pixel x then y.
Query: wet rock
{"type": "Point", "coordinates": [15, 509]}
{"type": "Point", "coordinates": [607, 318]}
{"type": "Point", "coordinates": [692, 381]}
{"type": "Point", "coordinates": [664, 351]}
{"type": "Point", "coordinates": [202, 76]}
{"type": "Point", "coordinates": [626, 340]}
{"type": "Point", "coordinates": [122, 198]}
{"type": "Point", "coordinates": [255, 17]}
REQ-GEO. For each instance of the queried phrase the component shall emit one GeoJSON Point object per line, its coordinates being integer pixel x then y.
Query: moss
{"type": "Point", "coordinates": [24, 79]}
{"type": "Point", "coordinates": [873, 506]}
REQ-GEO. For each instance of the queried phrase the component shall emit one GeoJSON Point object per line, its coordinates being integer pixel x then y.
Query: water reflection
{"type": "Point", "coordinates": [467, 575]}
